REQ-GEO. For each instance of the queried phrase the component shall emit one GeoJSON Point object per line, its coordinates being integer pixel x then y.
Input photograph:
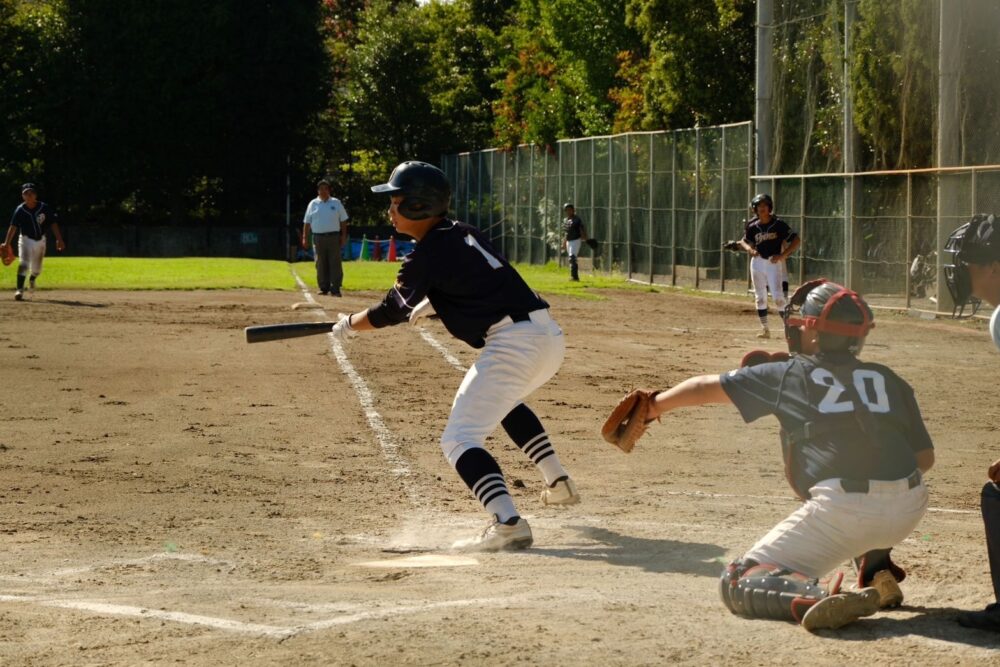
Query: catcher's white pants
{"type": "Point", "coordinates": [764, 274]}
{"type": "Point", "coordinates": [31, 254]}
{"type": "Point", "coordinates": [834, 526]}
{"type": "Point", "coordinates": [519, 357]}
{"type": "Point", "coordinates": [573, 247]}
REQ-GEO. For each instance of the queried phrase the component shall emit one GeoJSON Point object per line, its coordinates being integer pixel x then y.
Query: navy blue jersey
{"type": "Point", "coordinates": [33, 222]}
{"type": "Point", "coordinates": [766, 238]}
{"type": "Point", "coordinates": [828, 437]}
{"type": "Point", "coordinates": [573, 226]}
{"type": "Point", "coordinates": [469, 284]}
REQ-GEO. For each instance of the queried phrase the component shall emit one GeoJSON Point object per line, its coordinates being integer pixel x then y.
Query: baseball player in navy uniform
{"type": "Point", "coordinates": [975, 270]}
{"type": "Point", "coordinates": [769, 241]}
{"type": "Point", "coordinates": [855, 447]}
{"type": "Point", "coordinates": [576, 235]}
{"type": "Point", "coordinates": [454, 273]}
{"type": "Point", "coordinates": [30, 222]}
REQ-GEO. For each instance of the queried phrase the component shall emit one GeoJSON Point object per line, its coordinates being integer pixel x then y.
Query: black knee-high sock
{"type": "Point", "coordinates": [481, 473]}
{"type": "Point", "coordinates": [527, 432]}
{"type": "Point", "coordinates": [20, 281]}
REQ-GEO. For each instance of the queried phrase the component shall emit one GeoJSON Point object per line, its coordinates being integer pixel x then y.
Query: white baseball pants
{"type": "Point", "coordinates": [834, 526]}
{"type": "Point", "coordinates": [519, 357]}
{"type": "Point", "coordinates": [766, 274]}
{"type": "Point", "coordinates": [573, 247]}
{"type": "Point", "coordinates": [31, 253]}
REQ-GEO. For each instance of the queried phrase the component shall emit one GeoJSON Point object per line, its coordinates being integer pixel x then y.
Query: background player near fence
{"type": "Point", "coordinates": [30, 222]}
{"type": "Point", "coordinates": [769, 241]}
{"type": "Point", "coordinates": [855, 451]}
{"type": "Point", "coordinates": [974, 250]}
{"type": "Point", "coordinates": [326, 220]}
{"type": "Point", "coordinates": [576, 235]}
{"type": "Point", "coordinates": [455, 273]}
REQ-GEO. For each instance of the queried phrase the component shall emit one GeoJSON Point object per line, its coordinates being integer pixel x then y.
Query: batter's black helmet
{"type": "Point", "coordinates": [841, 316]}
{"type": "Point", "coordinates": [424, 188]}
{"type": "Point", "coordinates": [975, 242]}
{"type": "Point", "coordinates": [766, 198]}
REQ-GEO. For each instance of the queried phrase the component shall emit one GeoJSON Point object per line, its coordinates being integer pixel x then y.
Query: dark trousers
{"type": "Point", "coordinates": [329, 272]}
{"type": "Point", "coordinates": [991, 519]}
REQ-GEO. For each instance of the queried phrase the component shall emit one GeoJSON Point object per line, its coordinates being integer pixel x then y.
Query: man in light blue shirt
{"type": "Point", "coordinates": [326, 219]}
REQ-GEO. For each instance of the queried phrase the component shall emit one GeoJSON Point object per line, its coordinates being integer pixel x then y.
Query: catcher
{"type": "Point", "coordinates": [855, 448]}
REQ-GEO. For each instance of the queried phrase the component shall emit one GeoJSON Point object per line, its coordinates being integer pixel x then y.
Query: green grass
{"type": "Point", "coordinates": [127, 273]}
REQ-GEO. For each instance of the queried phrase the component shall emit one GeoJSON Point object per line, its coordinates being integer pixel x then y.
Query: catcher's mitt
{"type": "Point", "coordinates": [757, 357]}
{"type": "Point", "coordinates": [7, 255]}
{"type": "Point", "coordinates": [592, 243]}
{"type": "Point", "coordinates": [627, 422]}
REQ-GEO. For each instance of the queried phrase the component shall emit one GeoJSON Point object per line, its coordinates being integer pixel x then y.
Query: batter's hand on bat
{"type": "Point", "coordinates": [421, 312]}
{"type": "Point", "coordinates": [342, 330]}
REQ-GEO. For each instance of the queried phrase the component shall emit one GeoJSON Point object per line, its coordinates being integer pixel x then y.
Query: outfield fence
{"type": "Point", "coordinates": [661, 204]}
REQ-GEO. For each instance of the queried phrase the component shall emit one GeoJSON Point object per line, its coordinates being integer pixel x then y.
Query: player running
{"type": "Point", "coordinates": [765, 239]}
{"type": "Point", "coordinates": [30, 221]}
{"type": "Point", "coordinates": [855, 447]}
{"type": "Point", "coordinates": [455, 273]}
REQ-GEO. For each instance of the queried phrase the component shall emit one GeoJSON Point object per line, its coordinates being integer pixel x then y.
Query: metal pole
{"type": "Point", "coordinates": [802, 228]}
{"type": "Point", "coordinates": [531, 207]}
{"type": "Point", "coordinates": [909, 235]}
{"type": "Point", "coordinates": [610, 200]}
{"type": "Point", "coordinates": [517, 215]}
{"type": "Point", "coordinates": [697, 207]}
{"type": "Point", "coordinates": [849, 235]}
{"type": "Point", "coordinates": [673, 208]}
{"type": "Point", "coordinates": [503, 207]}
{"type": "Point", "coordinates": [722, 214]}
{"type": "Point", "coordinates": [763, 118]}
{"type": "Point", "coordinates": [628, 207]}
{"type": "Point", "coordinates": [649, 234]}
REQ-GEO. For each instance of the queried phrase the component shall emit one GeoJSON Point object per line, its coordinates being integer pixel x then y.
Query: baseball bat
{"type": "Point", "coordinates": [266, 332]}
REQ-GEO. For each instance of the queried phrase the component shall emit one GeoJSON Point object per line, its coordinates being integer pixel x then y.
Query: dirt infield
{"type": "Point", "coordinates": [172, 495]}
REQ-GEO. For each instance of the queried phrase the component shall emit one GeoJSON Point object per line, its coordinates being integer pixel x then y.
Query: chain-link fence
{"type": "Point", "coordinates": [661, 204]}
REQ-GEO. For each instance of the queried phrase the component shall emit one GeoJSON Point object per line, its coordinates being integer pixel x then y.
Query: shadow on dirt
{"type": "Point", "coordinates": [937, 623]}
{"type": "Point", "coordinates": [705, 560]}
{"type": "Point", "coordinates": [67, 302]}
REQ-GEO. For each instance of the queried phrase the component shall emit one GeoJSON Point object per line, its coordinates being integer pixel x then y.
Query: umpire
{"type": "Point", "coordinates": [326, 218]}
{"type": "Point", "coordinates": [975, 271]}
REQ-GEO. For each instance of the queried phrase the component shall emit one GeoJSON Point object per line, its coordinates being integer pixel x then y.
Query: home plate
{"type": "Point", "coordinates": [305, 305]}
{"type": "Point", "coordinates": [424, 560]}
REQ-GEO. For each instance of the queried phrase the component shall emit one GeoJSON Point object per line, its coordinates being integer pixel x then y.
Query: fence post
{"type": "Point", "coordinates": [802, 228]}
{"type": "Point", "coordinates": [673, 209]}
{"type": "Point", "coordinates": [722, 215]}
{"type": "Point", "coordinates": [611, 210]}
{"type": "Point", "coordinates": [697, 207]}
{"type": "Point", "coordinates": [517, 200]}
{"type": "Point", "coordinates": [849, 281]}
{"type": "Point", "coordinates": [909, 234]}
{"type": "Point", "coordinates": [628, 207]}
{"type": "Point", "coordinates": [649, 222]}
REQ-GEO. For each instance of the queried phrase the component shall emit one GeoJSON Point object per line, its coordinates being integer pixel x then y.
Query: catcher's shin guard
{"type": "Point", "coordinates": [755, 590]}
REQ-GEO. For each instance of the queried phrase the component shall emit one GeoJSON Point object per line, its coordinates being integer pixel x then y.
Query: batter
{"type": "Point", "coordinates": [455, 273]}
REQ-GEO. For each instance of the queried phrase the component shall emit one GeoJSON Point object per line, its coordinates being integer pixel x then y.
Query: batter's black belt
{"type": "Point", "coordinates": [864, 485]}
{"type": "Point", "coordinates": [324, 233]}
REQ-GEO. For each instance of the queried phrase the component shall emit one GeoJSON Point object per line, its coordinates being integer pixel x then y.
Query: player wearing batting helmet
{"type": "Point", "coordinates": [454, 273]}
{"type": "Point", "coordinates": [855, 450]}
{"type": "Point", "coordinates": [770, 241]}
{"type": "Point", "coordinates": [974, 270]}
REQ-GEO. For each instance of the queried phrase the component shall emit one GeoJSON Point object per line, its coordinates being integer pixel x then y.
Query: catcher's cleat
{"type": "Point", "coordinates": [890, 595]}
{"type": "Point", "coordinates": [838, 610]}
{"type": "Point", "coordinates": [765, 333]}
{"type": "Point", "coordinates": [499, 537]}
{"type": "Point", "coordinates": [18, 295]}
{"type": "Point", "coordinates": [561, 492]}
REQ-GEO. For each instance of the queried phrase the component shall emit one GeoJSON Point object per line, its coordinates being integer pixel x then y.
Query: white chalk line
{"type": "Point", "coordinates": [437, 345]}
{"type": "Point", "coordinates": [386, 440]}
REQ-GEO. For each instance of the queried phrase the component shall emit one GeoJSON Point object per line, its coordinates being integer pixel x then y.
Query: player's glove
{"type": "Point", "coordinates": [342, 330]}
{"type": "Point", "coordinates": [593, 244]}
{"type": "Point", "coordinates": [627, 422]}
{"type": "Point", "coordinates": [735, 246]}
{"type": "Point", "coordinates": [6, 254]}
{"type": "Point", "coordinates": [422, 311]}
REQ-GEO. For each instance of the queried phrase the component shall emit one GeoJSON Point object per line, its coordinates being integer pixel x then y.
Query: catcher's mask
{"type": "Point", "coordinates": [762, 198]}
{"type": "Point", "coordinates": [975, 242]}
{"type": "Point", "coordinates": [840, 315]}
{"type": "Point", "coordinates": [424, 188]}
